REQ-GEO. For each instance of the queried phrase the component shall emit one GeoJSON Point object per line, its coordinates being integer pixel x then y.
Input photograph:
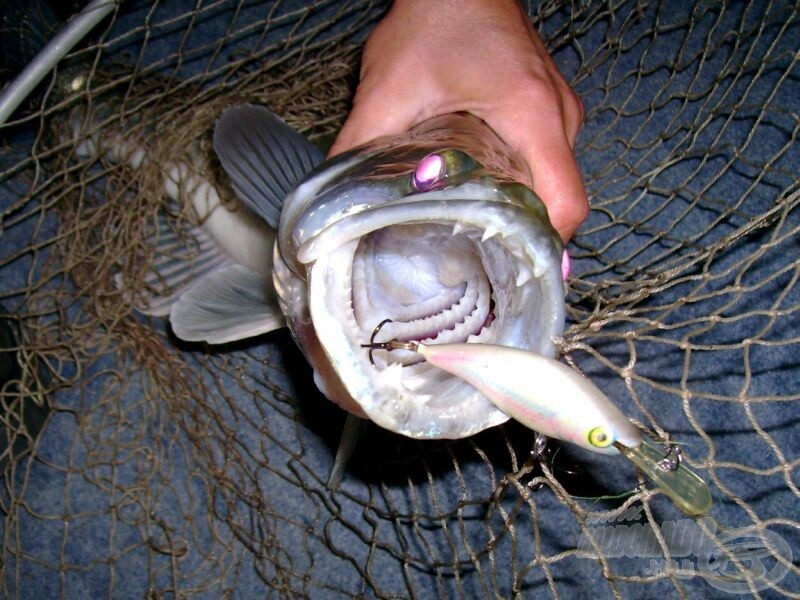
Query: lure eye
{"type": "Point", "coordinates": [430, 170]}
{"type": "Point", "coordinates": [600, 438]}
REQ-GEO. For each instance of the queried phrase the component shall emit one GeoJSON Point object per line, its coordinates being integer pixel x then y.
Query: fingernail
{"type": "Point", "coordinates": [565, 265]}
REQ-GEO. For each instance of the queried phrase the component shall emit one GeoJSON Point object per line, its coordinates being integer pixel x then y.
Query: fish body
{"type": "Point", "coordinates": [429, 229]}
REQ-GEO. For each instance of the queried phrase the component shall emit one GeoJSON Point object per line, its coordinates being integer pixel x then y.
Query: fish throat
{"type": "Point", "coordinates": [439, 281]}
{"type": "Point", "coordinates": [431, 284]}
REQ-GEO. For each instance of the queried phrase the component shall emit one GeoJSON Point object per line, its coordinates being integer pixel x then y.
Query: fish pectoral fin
{"type": "Point", "coordinates": [229, 304]}
{"type": "Point", "coordinates": [180, 259]}
{"type": "Point", "coordinates": [263, 156]}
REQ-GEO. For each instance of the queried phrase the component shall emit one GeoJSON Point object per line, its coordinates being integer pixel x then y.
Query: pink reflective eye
{"type": "Point", "coordinates": [428, 171]}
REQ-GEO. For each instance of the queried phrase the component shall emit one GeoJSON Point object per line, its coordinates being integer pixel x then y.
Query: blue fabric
{"type": "Point", "coordinates": [86, 529]}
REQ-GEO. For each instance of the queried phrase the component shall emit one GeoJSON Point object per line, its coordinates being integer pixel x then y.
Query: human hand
{"type": "Point", "coordinates": [481, 56]}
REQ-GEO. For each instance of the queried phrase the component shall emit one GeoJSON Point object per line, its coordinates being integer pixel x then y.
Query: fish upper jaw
{"type": "Point", "coordinates": [299, 202]}
{"type": "Point", "coordinates": [473, 204]}
{"type": "Point", "coordinates": [511, 266]}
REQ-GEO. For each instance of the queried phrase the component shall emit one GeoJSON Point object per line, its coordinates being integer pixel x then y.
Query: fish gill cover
{"type": "Point", "coordinates": [135, 465]}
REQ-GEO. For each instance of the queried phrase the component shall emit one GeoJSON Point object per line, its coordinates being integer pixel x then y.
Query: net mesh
{"type": "Point", "coordinates": [134, 465]}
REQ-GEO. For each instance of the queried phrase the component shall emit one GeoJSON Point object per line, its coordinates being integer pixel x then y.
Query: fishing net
{"type": "Point", "coordinates": [135, 465]}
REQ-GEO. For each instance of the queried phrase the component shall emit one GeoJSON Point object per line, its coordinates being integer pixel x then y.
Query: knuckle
{"type": "Point", "coordinates": [540, 89]}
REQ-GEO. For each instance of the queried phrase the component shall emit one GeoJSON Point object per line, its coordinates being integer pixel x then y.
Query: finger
{"type": "Point", "coordinates": [533, 124]}
{"type": "Point", "coordinates": [557, 181]}
{"type": "Point", "coordinates": [571, 104]}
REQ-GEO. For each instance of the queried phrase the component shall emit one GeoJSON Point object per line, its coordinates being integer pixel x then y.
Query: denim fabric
{"type": "Point", "coordinates": [681, 124]}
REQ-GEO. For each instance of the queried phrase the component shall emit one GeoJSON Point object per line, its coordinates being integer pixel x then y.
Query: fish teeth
{"type": "Point", "coordinates": [489, 232]}
{"type": "Point", "coordinates": [458, 228]}
{"type": "Point", "coordinates": [538, 268]}
{"type": "Point", "coordinates": [484, 336]}
{"type": "Point", "coordinates": [391, 376]}
{"type": "Point", "coordinates": [524, 275]}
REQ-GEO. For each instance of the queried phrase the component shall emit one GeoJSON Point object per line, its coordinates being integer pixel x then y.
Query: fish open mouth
{"type": "Point", "coordinates": [444, 280]}
{"type": "Point", "coordinates": [424, 284]}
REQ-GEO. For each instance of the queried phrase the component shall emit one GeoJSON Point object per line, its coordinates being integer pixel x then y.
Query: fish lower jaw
{"type": "Point", "coordinates": [457, 410]}
{"type": "Point", "coordinates": [426, 283]}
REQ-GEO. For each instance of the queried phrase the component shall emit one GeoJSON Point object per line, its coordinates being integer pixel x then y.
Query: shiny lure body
{"type": "Point", "coordinates": [549, 397]}
{"type": "Point", "coordinates": [539, 392]}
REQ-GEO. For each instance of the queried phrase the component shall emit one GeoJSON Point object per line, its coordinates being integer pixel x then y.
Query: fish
{"type": "Point", "coordinates": [430, 229]}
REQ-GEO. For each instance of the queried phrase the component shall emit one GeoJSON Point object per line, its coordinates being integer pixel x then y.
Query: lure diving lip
{"type": "Point", "coordinates": [683, 486]}
{"type": "Point", "coordinates": [524, 384]}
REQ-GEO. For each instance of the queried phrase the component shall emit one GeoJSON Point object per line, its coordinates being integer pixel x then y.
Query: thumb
{"type": "Point", "coordinates": [541, 139]}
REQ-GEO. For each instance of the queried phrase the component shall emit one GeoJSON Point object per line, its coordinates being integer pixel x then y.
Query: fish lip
{"type": "Point", "coordinates": [332, 250]}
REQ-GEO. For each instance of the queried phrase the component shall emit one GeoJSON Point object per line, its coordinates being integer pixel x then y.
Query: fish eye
{"type": "Point", "coordinates": [600, 438]}
{"type": "Point", "coordinates": [438, 166]}
{"type": "Point", "coordinates": [429, 171]}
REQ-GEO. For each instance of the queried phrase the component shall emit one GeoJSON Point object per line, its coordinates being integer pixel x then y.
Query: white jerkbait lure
{"type": "Point", "coordinates": [524, 385]}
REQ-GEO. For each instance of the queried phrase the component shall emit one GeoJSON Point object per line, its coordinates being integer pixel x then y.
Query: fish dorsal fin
{"type": "Point", "coordinates": [229, 304]}
{"type": "Point", "coordinates": [263, 156]}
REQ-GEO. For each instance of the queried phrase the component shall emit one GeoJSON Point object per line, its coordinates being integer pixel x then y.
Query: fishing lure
{"type": "Point", "coordinates": [555, 400]}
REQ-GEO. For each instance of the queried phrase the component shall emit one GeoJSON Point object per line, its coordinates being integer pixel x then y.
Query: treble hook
{"type": "Point", "coordinates": [672, 459]}
{"type": "Point", "coordinates": [388, 346]}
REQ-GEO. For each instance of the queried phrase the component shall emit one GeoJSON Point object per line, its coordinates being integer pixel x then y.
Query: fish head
{"type": "Point", "coordinates": [431, 235]}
